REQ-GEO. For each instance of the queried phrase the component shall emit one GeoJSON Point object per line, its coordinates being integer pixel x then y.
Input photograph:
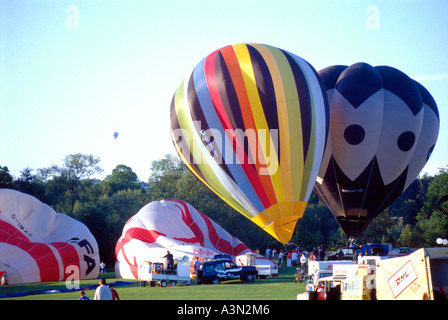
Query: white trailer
{"type": "Point", "coordinates": [266, 268]}
{"type": "Point", "coordinates": [156, 273]}
{"type": "Point", "coordinates": [420, 275]}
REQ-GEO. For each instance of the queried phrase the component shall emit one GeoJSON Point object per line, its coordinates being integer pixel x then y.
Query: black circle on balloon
{"type": "Point", "coordinates": [354, 134]}
{"type": "Point", "coordinates": [406, 141]}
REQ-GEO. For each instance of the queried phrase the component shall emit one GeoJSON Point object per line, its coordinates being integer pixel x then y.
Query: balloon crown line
{"type": "Point", "coordinates": [442, 241]}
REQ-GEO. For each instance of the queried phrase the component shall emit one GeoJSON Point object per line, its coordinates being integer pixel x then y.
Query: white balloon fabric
{"type": "Point", "coordinates": [175, 226]}
{"type": "Point", "coordinates": [38, 244]}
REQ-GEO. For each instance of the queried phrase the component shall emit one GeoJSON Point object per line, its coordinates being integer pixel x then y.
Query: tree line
{"type": "Point", "coordinates": [415, 219]}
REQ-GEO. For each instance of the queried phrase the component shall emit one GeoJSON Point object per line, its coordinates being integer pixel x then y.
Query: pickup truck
{"type": "Point", "coordinates": [216, 271]}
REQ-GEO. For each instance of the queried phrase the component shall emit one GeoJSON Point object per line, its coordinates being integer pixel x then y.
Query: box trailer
{"type": "Point", "coordinates": [420, 275]}
{"type": "Point", "coordinates": [266, 268]}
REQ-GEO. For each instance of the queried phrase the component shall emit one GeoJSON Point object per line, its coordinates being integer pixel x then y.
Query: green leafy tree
{"type": "Point", "coordinates": [30, 184]}
{"type": "Point", "coordinates": [164, 176]}
{"type": "Point", "coordinates": [122, 177]}
{"type": "Point", "coordinates": [5, 178]}
{"type": "Point", "coordinates": [411, 237]}
{"type": "Point", "coordinates": [65, 182]}
{"type": "Point", "coordinates": [433, 217]}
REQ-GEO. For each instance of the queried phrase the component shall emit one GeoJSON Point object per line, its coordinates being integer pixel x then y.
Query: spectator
{"type": "Point", "coordinates": [360, 257]}
{"type": "Point", "coordinates": [303, 262]}
{"type": "Point", "coordinates": [268, 253]}
{"type": "Point", "coordinates": [294, 256]}
{"type": "Point", "coordinates": [103, 291]}
{"type": "Point", "coordinates": [289, 257]}
{"type": "Point", "coordinates": [114, 293]}
{"type": "Point", "coordinates": [102, 267]}
{"type": "Point", "coordinates": [321, 253]}
{"type": "Point", "coordinates": [82, 296]}
{"type": "Point", "coordinates": [280, 258]}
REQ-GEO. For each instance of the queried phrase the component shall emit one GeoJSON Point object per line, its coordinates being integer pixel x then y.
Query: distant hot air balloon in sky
{"type": "Point", "coordinates": [383, 128]}
{"type": "Point", "coordinates": [250, 122]}
{"type": "Point", "coordinates": [115, 135]}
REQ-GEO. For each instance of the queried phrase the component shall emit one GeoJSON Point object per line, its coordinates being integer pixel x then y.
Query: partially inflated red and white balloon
{"type": "Point", "coordinates": [38, 244]}
{"type": "Point", "coordinates": [175, 226]}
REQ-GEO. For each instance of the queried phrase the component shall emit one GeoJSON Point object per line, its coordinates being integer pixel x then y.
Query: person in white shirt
{"type": "Point", "coordinates": [360, 258]}
{"type": "Point", "coordinates": [103, 291]}
{"type": "Point", "coordinates": [268, 253]}
{"type": "Point", "coordinates": [294, 257]}
{"type": "Point", "coordinates": [303, 262]}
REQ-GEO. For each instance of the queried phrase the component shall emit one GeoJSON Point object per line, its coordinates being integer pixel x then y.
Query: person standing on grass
{"type": "Point", "coordinates": [114, 293]}
{"type": "Point", "coordinates": [303, 262]}
{"type": "Point", "coordinates": [102, 267]}
{"type": "Point", "coordinates": [280, 258]}
{"type": "Point", "coordinates": [103, 291]}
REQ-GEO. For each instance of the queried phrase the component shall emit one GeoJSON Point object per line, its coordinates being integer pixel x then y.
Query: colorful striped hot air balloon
{"type": "Point", "coordinates": [251, 123]}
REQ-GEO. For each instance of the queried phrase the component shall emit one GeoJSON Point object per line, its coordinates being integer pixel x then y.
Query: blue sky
{"type": "Point", "coordinates": [74, 72]}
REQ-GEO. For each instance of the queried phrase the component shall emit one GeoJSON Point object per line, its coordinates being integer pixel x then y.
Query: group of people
{"type": "Point", "coordinates": [292, 257]}
{"type": "Point", "coordinates": [103, 292]}
{"type": "Point", "coordinates": [318, 254]}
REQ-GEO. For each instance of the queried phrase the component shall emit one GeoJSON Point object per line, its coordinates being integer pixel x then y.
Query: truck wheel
{"type": "Point", "coordinates": [216, 281]}
{"type": "Point", "coordinates": [173, 283]}
{"type": "Point", "coordinates": [163, 283]}
{"type": "Point", "coordinates": [250, 277]}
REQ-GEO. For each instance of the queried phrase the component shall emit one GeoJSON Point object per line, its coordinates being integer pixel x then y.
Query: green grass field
{"type": "Point", "coordinates": [279, 288]}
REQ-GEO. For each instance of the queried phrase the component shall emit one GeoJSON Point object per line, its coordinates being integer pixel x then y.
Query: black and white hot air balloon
{"type": "Point", "coordinates": [383, 129]}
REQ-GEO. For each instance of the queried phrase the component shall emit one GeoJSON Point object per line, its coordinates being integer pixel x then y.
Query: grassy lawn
{"type": "Point", "coordinates": [281, 288]}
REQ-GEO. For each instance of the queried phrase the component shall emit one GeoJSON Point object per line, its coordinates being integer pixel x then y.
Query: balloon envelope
{"type": "Point", "coordinates": [39, 245]}
{"type": "Point", "coordinates": [383, 128]}
{"type": "Point", "coordinates": [251, 123]}
{"type": "Point", "coordinates": [175, 226]}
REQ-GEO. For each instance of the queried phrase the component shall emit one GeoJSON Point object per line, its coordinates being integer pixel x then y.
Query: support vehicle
{"type": "Point", "coordinates": [216, 271]}
{"type": "Point", "coordinates": [317, 270]}
{"type": "Point", "coordinates": [421, 275]}
{"type": "Point", "coordinates": [156, 273]}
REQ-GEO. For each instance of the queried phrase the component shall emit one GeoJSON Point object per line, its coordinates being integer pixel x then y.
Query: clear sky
{"type": "Point", "coordinates": [74, 72]}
